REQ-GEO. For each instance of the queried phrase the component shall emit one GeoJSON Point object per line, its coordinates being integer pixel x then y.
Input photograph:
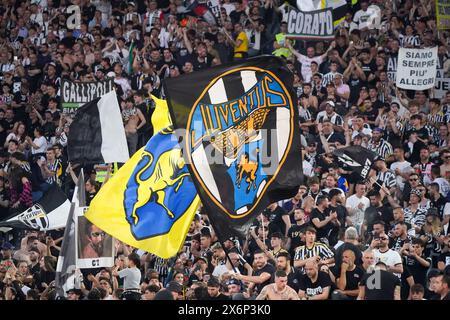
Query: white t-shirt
{"type": "Point", "coordinates": [132, 278]}
{"type": "Point", "coordinates": [371, 18]}
{"type": "Point", "coordinates": [308, 169]}
{"type": "Point", "coordinates": [41, 142]}
{"type": "Point", "coordinates": [404, 167]}
{"type": "Point", "coordinates": [390, 258]}
{"type": "Point", "coordinates": [444, 186]}
{"type": "Point", "coordinates": [352, 202]}
{"type": "Point", "coordinates": [220, 270]}
{"type": "Point", "coordinates": [306, 66]}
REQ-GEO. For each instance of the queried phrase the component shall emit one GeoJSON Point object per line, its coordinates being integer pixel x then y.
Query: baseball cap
{"type": "Point", "coordinates": [200, 258]}
{"type": "Point", "coordinates": [379, 130]}
{"type": "Point", "coordinates": [233, 281]}
{"type": "Point", "coordinates": [76, 291]}
{"type": "Point", "coordinates": [331, 103]}
{"type": "Point", "coordinates": [7, 246]}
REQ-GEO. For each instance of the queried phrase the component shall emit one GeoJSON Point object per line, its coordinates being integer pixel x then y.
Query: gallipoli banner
{"type": "Point", "coordinates": [75, 94]}
{"type": "Point", "coordinates": [416, 68]}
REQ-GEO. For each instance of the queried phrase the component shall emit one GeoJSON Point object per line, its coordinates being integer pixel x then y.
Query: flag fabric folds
{"type": "Point", "coordinates": [49, 213]}
{"type": "Point", "coordinates": [151, 201]}
{"type": "Point", "coordinates": [242, 138]}
{"type": "Point", "coordinates": [66, 273]}
{"type": "Point", "coordinates": [355, 159]}
{"type": "Point", "coordinates": [97, 134]}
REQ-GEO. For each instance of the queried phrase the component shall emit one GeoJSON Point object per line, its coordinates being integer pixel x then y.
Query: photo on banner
{"type": "Point", "coordinates": [94, 247]}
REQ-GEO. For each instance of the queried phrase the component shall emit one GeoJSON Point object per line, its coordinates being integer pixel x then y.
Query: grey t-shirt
{"type": "Point", "coordinates": [132, 278]}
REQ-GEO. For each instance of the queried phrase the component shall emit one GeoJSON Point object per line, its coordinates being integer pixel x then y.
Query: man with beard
{"type": "Point", "coordinates": [314, 284]}
{"type": "Point", "coordinates": [377, 211]}
{"type": "Point", "coordinates": [337, 199]}
{"type": "Point", "coordinates": [296, 232]}
{"type": "Point", "coordinates": [278, 290]}
{"type": "Point", "coordinates": [283, 263]}
{"type": "Point", "coordinates": [347, 278]}
{"type": "Point", "coordinates": [401, 237]}
{"type": "Point", "coordinates": [94, 247]}
{"type": "Point", "coordinates": [389, 257]}
{"type": "Point", "coordinates": [380, 146]}
{"type": "Point", "coordinates": [322, 219]}
{"type": "Point", "coordinates": [262, 275]}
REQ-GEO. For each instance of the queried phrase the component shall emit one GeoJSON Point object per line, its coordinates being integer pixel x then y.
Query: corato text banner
{"type": "Point", "coordinates": [443, 14]}
{"type": "Point", "coordinates": [75, 94]}
{"type": "Point", "coordinates": [316, 24]}
{"type": "Point", "coordinates": [416, 69]}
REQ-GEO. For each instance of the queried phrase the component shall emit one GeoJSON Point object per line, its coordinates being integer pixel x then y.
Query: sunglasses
{"type": "Point", "coordinates": [97, 234]}
{"type": "Point", "coordinates": [413, 179]}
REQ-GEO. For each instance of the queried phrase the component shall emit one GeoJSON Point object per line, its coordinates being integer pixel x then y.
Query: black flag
{"type": "Point", "coordinates": [66, 275]}
{"type": "Point", "coordinates": [97, 134]}
{"type": "Point", "coordinates": [356, 159]}
{"type": "Point", "coordinates": [241, 141]}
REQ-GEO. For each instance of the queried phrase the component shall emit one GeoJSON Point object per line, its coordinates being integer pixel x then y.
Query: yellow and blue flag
{"type": "Point", "coordinates": [150, 202]}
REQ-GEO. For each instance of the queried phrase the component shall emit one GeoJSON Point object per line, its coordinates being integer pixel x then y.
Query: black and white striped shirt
{"type": "Point", "coordinates": [415, 217]}
{"type": "Point", "coordinates": [318, 249]}
{"type": "Point", "coordinates": [383, 148]}
{"type": "Point", "coordinates": [334, 119]}
{"type": "Point", "coordinates": [388, 178]}
{"type": "Point", "coordinates": [55, 167]}
{"type": "Point", "coordinates": [304, 114]}
{"type": "Point", "coordinates": [328, 78]}
{"type": "Point", "coordinates": [435, 118]}
{"type": "Point", "coordinates": [129, 17]}
{"type": "Point", "coordinates": [413, 40]}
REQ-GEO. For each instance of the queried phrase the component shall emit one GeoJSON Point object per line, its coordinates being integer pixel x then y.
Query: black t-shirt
{"type": "Point", "coordinates": [201, 65]}
{"type": "Point", "coordinates": [89, 197]}
{"type": "Point", "coordinates": [439, 204]}
{"type": "Point", "coordinates": [294, 278]}
{"type": "Point", "coordinates": [325, 230]}
{"type": "Point", "coordinates": [4, 211]}
{"type": "Point", "coordinates": [341, 213]}
{"type": "Point", "coordinates": [445, 258]}
{"type": "Point", "coordinates": [417, 270]}
{"type": "Point", "coordinates": [276, 221]}
{"type": "Point", "coordinates": [353, 278]}
{"type": "Point", "coordinates": [268, 268]}
{"type": "Point", "coordinates": [387, 284]}
{"type": "Point", "coordinates": [316, 288]}
{"type": "Point", "coordinates": [221, 296]}
{"type": "Point", "coordinates": [422, 133]}
{"type": "Point", "coordinates": [294, 234]}
{"type": "Point", "coordinates": [373, 214]}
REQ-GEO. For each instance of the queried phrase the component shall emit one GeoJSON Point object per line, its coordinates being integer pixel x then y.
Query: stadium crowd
{"type": "Point", "coordinates": [329, 241]}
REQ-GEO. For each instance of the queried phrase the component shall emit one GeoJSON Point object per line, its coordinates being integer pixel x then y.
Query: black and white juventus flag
{"type": "Point", "coordinates": [356, 159]}
{"type": "Point", "coordinates": [97, 134]}
{"type": "Point", "coordinates": [66, 272]}
{"type": "Point", "coordinates": [49, 213]}
{"type": "Point", "coordinates": [241, 138]}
